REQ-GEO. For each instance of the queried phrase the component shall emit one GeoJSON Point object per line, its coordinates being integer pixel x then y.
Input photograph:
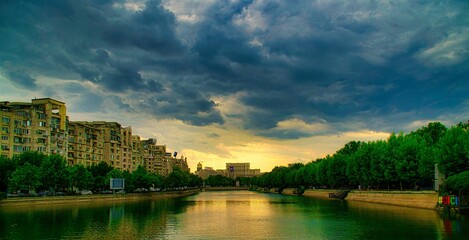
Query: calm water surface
{"type": "Point", "coordinates": [229, 215]}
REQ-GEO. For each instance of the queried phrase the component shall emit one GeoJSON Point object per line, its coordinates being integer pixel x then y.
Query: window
{"type": "Point", "coordinates": [41, 149]}
{"type": "Point", "coordinates": [5, 130]}
{"type": "Point", "coordinates": [42, 124]}
{"type": "Point", "coordinates": [5, 119]}
{"type": "Point", "coordinates": [25, 131]}
{"type": "Point", "coordinates": [5, 138]}
{"type": "Point", "coordinates": [5, 147]}
{"type": "Point", "coordinates": [17, 140]}
{"type": "Point", "coordinates": [26, 123]}
{"type": "Point", "coordinates": [41, 116]}
{"type": "Point", "coordinates": [17, 131]}
{"type": "Point", "coordinates": [17, 148]}
{"type": "Point", "coordinates": [17, 122]}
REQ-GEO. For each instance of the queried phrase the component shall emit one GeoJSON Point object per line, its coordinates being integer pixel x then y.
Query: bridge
{"type": "Point", "coordinates": [225, 188]}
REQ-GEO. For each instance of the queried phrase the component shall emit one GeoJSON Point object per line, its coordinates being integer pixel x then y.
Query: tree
{"type": "Point", "coordinates": [140, 178]}
{"type": "Point", "coordinates": [407, 161]}
{"type": "Point", "coordinates": [353, 170]}
{"type": "Point", "coordinates": [177, 178]}
{"type": "Point", "coordinates": [129, 185]}
{"type": "Point", "coordinates": [350, 148]}
{"type": "Point", "coordinates": [244, 181]}
{"type": "Point", "coordinates": [100, 169]}
{"type": "Point", "coordinates": [454, 151]}
{"type": "Point", "coordinates": [378, 163]}
{"type": "Point", "coordinates": [432, 133]}
{"type": "Point", "coordinates": [290, 178]}
{"type": "Point", "coordinates": [457, 184]}
{"type": "Point", "coordinates": [389, 165]}
{"type": "Point", "coordinates": [7, 167]}
{"type": "Point", "coordinates": [25, 178]}
{"type": "Point", "coordinates": [219, 181]}
{"type": "Point", "coordinates": [310, 177]}
{"type": "Point", "coordinates": [99, 172]}
{"type": "Point", "coordinates": [33, 158]}
{"type": "Point", "coordinates": [80, 177]}
{"type": "Point", "coordinates": [277, 177]}
{"type": "Point", "coordinates": [427, 157]}
{"type": "Point", "coordinates": [336, 170]}
{"type": "Point", "coordinates": [300, 176]}
{"type": "Point", "coordinates": [53, 172]}
{"type": "Point", "coordinates": [321, 176]}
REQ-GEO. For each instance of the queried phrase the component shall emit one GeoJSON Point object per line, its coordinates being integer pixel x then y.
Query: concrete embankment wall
{"type": "Point", "coordinates": [94, 198]}
{"type": "Point", "coordinates": [425, 199]}
{"type": "Point", "coordinates": [421, 199]}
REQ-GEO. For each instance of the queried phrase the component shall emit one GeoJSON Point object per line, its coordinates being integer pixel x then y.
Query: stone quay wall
{"type": "Point", "coordinates": [415, 199]}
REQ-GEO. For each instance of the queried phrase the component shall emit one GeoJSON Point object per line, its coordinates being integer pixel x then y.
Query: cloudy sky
{"type": "Point", "coordinates": [267, 82]}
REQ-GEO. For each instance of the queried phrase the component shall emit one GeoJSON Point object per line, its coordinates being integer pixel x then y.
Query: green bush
{"type": "Point", "coordinates": [457, 184]}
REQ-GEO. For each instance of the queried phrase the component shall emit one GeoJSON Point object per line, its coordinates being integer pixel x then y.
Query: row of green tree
{"type": "Point", "coordinates": [34, 171]}
{"type": "Point", "coordinates": [403, 161]}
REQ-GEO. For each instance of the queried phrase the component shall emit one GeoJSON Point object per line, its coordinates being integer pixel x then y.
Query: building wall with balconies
{"type": "Point", "coordinates": [37, 126]}
{"type": "Point", "coordinates": [85, 144]}
{"type": "Point", "coordinates": [43, 126]}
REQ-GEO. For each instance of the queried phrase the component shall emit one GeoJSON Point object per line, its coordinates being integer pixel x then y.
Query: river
{"type": "Point", "coordinates": [228, 215]}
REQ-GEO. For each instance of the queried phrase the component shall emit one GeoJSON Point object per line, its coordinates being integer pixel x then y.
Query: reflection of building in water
{"type": "Point", "coordinates": [116, 214]}
{"type": "Point", "coordinates": [234, 170]}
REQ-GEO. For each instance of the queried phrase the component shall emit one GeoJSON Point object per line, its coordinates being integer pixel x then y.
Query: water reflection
{"type": "Point", "coordinates": [229, 215]}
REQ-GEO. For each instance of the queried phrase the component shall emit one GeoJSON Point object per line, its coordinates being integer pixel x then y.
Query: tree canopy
{"type": "Point", "coordinates": [403, 161]}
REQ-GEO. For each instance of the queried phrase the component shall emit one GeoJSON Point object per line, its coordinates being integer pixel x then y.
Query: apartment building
{"type": "Point", "coordinates": [43, 126]}
{"type": "Point", "coordinates": [154, 157]}
{"type": "Point", "coordinates": [85, 144]}
{"type": "Point", "coordinates": [110, 133]}
{"type": "Point", "coordinates": [37, 126]}
{"type": "Point", "coordinates": [179, 162]}
{"type": "Point", "coordinates": [137, 152]}
{"type": "Point", "coordinates": [126, 148]}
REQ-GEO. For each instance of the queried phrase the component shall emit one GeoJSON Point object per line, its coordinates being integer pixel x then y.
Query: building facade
{"type": "Point", "coordinates": [137, 152]}
{"type": "Point", "coordinates": [126, 145]}
{"type": "Point", "coordinates": [85, 144]}
{"type": "Point", "coordinates": [37, 126]}
{"type": "Point", "coordinates": [234, 170]}
{"type": "Point", "coordinates": [43, 126]}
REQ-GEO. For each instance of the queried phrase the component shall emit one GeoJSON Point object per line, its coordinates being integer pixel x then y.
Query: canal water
{"type": "Point", "coordinates": [229, 215]}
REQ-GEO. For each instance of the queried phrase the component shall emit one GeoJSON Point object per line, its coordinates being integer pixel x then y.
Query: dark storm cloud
{"type": "Point", "coordinates": [380, 64]}
{"type": "Point", "coordinates": [97, 41]}
{"type": "Point", "coordinates": [22, 79]}
{"type": "Point", "coordinates": [337, 61]}
{"type": "Point", "coordinates": [181, 102]}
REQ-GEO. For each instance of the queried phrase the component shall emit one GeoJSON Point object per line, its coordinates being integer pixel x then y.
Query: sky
{"type": "Point", "coordinates": [266, 82]}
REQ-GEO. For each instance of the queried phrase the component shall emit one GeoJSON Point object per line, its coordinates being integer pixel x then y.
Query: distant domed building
{"type": "Point", "coordinates": [199, 166]}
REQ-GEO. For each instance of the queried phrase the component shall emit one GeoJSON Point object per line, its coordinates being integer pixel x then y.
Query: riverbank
{"type": "Point", "coordinates": [94, 198]}
{"type": "Point", "coordinates": [414, 199]}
